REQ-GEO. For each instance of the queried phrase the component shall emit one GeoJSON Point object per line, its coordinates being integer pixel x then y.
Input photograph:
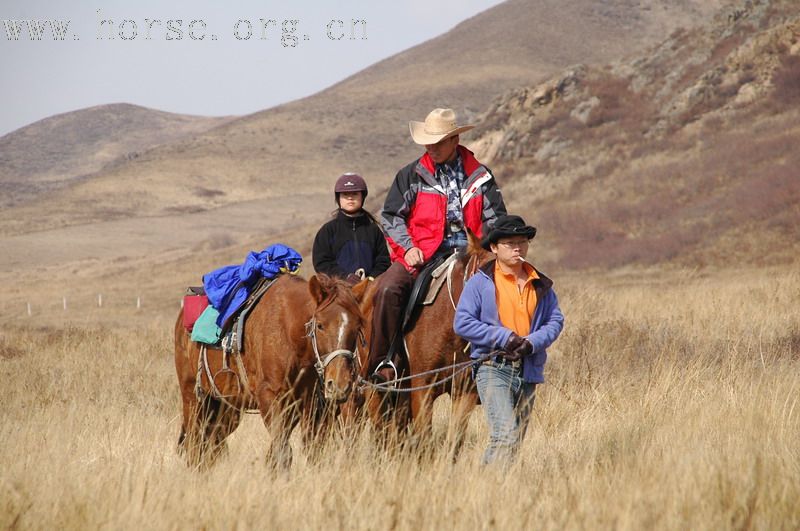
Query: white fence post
{"type": "Point", "coordinates": [64, 305]}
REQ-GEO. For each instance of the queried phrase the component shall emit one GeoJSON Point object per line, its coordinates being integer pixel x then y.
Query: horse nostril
{"type": "Point", "coordinates": [336, 393]}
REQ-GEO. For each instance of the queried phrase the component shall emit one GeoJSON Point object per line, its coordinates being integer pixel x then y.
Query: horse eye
{"type": "Point", "coordinates": [319, 326]}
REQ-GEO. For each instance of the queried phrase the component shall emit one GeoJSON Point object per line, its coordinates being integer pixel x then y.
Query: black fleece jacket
{"type": "Point", "coordinates": [345, 244]}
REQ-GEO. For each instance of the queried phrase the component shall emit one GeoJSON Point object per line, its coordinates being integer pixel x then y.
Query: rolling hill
{"type": "Point", "coordinates": [679, 153]}
{"type": "Point", "coordinates": [64, 149]}
{"type": "Point", "coordinates": [358, 124]}
{"type": "Point", "coordinates": [686, 154]}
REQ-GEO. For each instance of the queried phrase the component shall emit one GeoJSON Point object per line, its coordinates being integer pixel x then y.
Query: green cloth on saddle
{"type": "Point", "coordinates": [205, 328]}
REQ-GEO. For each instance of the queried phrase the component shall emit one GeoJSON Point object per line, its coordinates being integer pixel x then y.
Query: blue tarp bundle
{"type": "Point", "coordinates": [228, 287]}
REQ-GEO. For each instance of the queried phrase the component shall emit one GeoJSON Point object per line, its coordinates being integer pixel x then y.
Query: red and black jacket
{"type": "Point", "coordinates": [415, 211]}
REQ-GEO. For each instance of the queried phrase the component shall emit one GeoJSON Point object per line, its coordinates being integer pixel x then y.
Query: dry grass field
{"type": "Point", "coordinates": [671, 403]}
{"type": "Point", "coordinates": [672, 396]}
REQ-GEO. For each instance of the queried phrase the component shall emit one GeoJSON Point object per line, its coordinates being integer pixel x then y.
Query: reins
{"type": "Point", "coordinates": [456, 368]}
{"type": "Point", "coordinates": [390, 386]}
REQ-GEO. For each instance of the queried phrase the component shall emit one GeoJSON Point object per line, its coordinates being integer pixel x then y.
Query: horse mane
{"type": "Point", "coordinates": [338, 290]}
{"type": "Point", "coordinates": [473, 249]}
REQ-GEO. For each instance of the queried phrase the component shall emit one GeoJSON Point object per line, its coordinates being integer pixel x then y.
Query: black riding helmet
{"type": "Point", "coordinates": [349, 182]}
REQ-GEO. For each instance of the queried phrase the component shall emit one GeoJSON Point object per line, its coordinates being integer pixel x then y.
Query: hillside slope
{"type": "Point", "coordinates": [55, 152]}
{"type": "Point", "coordinates": [360, 123]}
{"type": "Point", "coordinates": [686, 154]}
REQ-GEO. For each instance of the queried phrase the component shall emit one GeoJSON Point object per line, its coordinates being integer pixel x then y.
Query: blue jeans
{"type": "Point", "coordinates": [508, 402]}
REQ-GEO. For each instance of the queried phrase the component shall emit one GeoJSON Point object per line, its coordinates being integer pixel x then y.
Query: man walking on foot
{"type": "Point", "coordinates": [510, 314]}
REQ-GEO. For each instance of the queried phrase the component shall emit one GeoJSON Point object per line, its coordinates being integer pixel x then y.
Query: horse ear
{"type": "Point", "coordinates": [360, 289]}
{"type": "Point", "coordinates": [316, 289]}
{"type": "Point", "coordinates": [474, 244]}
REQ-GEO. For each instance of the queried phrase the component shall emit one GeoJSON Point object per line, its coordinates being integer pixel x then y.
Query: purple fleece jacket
{"type": "Point", "coordinates": [478, 322]}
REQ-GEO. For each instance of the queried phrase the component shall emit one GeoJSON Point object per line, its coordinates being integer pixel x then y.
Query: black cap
{"type": "Point", "coordinates": [507, 226]}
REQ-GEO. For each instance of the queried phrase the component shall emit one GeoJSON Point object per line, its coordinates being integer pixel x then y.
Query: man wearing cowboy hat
{"type": "Point", "coordinates": [428, 208]}
{"type": "Point", "coordinates": [509, 312]}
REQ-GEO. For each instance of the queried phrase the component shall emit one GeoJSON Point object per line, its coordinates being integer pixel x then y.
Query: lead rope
{"type": "Point", "coordinates": [450, 282]}
{"type": "Point", "coordinates": [237, 357]}
{"type": "Point", "coordinates": [389, 385]}
{"type": "Point", "coordinates": [215, 392]}
{"type": "Point", "coordinates": [456, 368]}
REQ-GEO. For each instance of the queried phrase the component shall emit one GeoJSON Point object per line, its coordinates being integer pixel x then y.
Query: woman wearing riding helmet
{"type": "Point", "coordinates": [352, 241]}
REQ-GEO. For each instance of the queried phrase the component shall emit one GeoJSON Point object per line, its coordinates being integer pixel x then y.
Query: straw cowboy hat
{"type": "Point", "coordinates": [438, 125]}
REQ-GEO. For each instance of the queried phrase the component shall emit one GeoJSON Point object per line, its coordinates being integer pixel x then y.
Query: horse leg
{"type": "Point", "coordinates": [280, 451]}
{"type": "Point", "coordinates": [389, 414]}
{"type": "Point", "coordinates": [353, 412]}
{"type": "Point", "coordinates": [226, 421]}
{"type": "Point", "coordinates": [280, 416]}
{"type": "Point", "coordinates": [186, 381]}
{"type": "Point", "coordinates": [422, 415]}
{"type": "Point", "coordinates": [402, 415]}
{"type": "Point", "coordinates": [198, 441]}
{"type": "Point", "coordinates": [187, 402]}
{"type": "Point", "coordinates": [316, 427]}
{"type": "Point", "coordinates": [206, 424]}
{"type": "Point", "coordinates": [463, 403]}
{"type": "Point", "coordinates": [197, 414]}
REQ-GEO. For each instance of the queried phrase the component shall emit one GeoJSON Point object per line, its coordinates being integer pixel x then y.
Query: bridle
{"type": "Point", "coordinates": [471, 267]}
{"type": "Point", "coordinates": [321, 362]}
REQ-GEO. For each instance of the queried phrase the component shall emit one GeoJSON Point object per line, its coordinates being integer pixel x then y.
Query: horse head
{"type": "Point", "coordinates": [472, 258]}
{"type": "Point", "coordinates": [334, 330]}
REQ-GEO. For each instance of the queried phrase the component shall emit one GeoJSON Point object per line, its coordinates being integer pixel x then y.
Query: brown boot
{"type": "Point", "coordinates": [384, 374]}
{"type": "Point", "coordinates": [391, 295]}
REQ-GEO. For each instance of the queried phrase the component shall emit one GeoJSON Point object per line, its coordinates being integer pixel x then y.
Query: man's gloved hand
{"type": "Point", "coordinates": [517, 347]}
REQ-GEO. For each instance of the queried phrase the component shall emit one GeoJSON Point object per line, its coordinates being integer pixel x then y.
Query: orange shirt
{"type": "Point", "coordinates": [514, 306]}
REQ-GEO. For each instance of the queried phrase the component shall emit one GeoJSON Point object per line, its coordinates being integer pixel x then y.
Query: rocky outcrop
{"type": "Point", "coordinates": [701, 122]}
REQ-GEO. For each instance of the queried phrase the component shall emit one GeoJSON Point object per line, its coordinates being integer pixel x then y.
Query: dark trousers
{"type": "Point", "coordinates": [389, 302]}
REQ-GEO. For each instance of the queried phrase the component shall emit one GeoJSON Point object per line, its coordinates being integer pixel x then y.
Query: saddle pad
{"type": "Point", "coordinates": [438, 278]}
{"type": "Point", "coordinates": [205, 328]}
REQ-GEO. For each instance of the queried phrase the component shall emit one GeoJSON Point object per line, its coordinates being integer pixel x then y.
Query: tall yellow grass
{"type": "Point", "coordinates": [672, 402]}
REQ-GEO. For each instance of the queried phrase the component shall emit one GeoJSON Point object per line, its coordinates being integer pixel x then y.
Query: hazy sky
{"type": "Point", "coordinates": [231, 62]}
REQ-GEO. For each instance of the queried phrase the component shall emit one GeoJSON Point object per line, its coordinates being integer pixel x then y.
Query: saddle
{"type": "Point", "coordinates": [426, 287]}
{"type": "Point", "coordinates": [232, 331]}
{"type": "Point", "coordinates": [231, 345]}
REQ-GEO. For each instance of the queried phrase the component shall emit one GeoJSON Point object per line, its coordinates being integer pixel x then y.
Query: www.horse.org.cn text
{"type": "Point", "coordinates": [286, 31]}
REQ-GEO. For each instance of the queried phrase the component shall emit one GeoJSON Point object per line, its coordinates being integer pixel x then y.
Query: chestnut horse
{"type": "Point", "coordinates": [298, 358]}
{"type": "Point", "coordinates": [430, 345]}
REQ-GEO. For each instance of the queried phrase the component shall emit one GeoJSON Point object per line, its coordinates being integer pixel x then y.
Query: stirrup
{"type": "Point", "coordinates": [392, 384]}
